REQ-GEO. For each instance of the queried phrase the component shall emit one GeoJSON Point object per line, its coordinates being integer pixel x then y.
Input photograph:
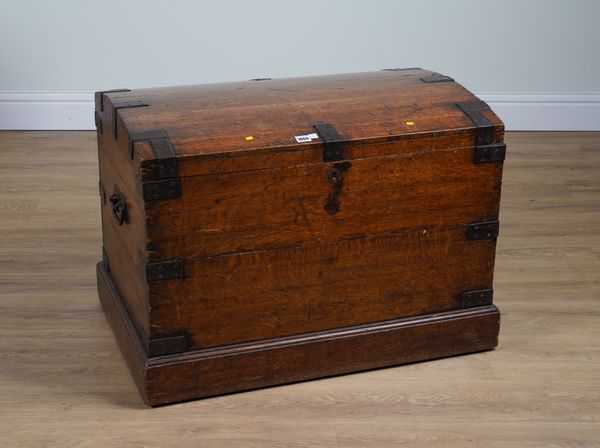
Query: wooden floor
{"type": "Point", "coordinates": [63, 382]}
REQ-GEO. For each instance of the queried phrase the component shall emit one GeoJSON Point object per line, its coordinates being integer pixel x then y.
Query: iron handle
{"type": "Point", "coordinates": [119, 206]}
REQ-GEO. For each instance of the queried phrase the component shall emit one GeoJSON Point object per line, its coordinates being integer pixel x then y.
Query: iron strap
{"type": "Point", "coordinates": [164, 270]}
{"type": "Point", "coordinates": [485, 230]}
{"type": "Point", "coordinates": [474, 110]}
{"type": "Point", "coordinates": [160, 179]}
{"type": "Point", "coordinates": [124, 105]}
{"type": "Point", "coordinates": [332, 141]}
{"type": "Point", "coordinates": [480, 297]}
{"type": "Point", "coordinates": [100, 96]}
{"type": "Point", "coordinates": [436, 77]}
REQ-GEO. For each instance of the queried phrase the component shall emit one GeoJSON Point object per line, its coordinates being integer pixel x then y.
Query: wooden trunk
{"type": "Point", "coordinates": [272, 231]}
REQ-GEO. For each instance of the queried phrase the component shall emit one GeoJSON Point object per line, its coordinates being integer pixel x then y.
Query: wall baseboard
{"type": "Point", "coordinates": [520, 111]}
{"type": "Point", "coordinates": [545, 111]}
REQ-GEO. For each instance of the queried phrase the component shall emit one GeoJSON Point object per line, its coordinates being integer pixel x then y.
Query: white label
{"type": "Point", "coordinates": [306, 138]}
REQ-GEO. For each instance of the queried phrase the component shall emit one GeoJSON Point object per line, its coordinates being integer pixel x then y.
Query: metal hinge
{"type": "Point", "coordinates": [436, 77]}
{"type": "Point", "coordinates": [480, 297]}
{"type": "Point", "coordinates": [164, 270]}
{"type": "Point", "coordinates": [166, 346]}
{"type": "Point", "coordinates": [486, 230]}
{"type": "Point", "coordinates": [332, 142]}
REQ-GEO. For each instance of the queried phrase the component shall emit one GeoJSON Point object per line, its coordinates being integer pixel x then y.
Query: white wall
{"type": "Point", "coordinates": [533, 53]}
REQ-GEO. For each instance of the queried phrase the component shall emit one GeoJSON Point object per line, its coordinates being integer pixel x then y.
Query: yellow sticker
{"type": "Point", "coordinates": [410, 123]}
{"type": "Point", "coordinates": [248, 138]}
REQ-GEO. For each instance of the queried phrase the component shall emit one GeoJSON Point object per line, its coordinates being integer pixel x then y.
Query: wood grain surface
{"type": "Point", "coordinates": [226, 299]}
{"type": "Point", "coordinates": [286, 206]}
{"type": "Point", "coordinates": [265, 363]}
{"type": "Point", "coordinates": [370, 106]}
{"type": "Point", "coordinates": [63, 382]}
{"type": "Point", "coordinates": [288, 244]}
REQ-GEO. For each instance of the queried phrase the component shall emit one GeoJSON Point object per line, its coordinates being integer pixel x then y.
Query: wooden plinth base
{"type": "Point", "coordinates": [204, 373]}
